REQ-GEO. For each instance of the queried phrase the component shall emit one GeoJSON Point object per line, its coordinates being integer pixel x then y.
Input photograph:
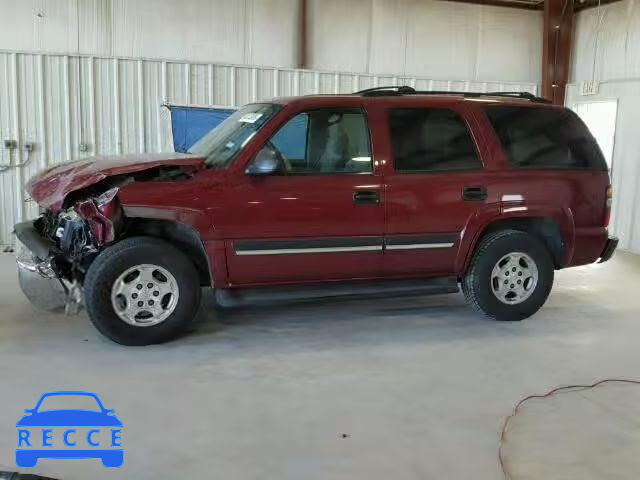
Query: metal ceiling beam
{"type": "Point", "coordinates": [579, 5]}
{"type": "Point", "coordinates": [556, 48]}
{"type": "Point", "coordinates": [521, 4]}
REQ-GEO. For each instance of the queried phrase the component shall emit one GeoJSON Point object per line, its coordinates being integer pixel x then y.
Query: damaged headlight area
{"type": "Point", "coordinates": [58, 247]}
{"type": "Point", "coordinates": [68, 231]}
{"type": "Point", "coordinates": [90, 219]}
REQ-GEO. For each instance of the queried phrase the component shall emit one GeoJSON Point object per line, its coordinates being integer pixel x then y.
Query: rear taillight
{"type": "Point", "coordinates": [607, 205]}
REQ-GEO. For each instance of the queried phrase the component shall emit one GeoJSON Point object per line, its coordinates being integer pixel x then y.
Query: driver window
{"type": "Point", "coordinates": [325, 141]}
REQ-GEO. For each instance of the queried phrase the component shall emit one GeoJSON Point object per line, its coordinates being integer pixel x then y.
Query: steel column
{"type": "Point", "coordinates": [302, 34]}
{"type": "Point", "coordinates": [556, 48]}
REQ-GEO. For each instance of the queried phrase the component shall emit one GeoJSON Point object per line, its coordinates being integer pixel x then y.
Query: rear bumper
{"type": "Point", "coordinates": [609, 249]}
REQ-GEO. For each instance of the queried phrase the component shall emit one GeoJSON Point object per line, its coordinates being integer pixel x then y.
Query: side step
{"type": "Point", "coordinates": [228, 298]}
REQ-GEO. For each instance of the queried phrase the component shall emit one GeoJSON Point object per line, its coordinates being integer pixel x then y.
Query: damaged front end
{"type": "Point", "coordinates": [54, 251]}
{"type": "Point", "coordinates": [81, 215]}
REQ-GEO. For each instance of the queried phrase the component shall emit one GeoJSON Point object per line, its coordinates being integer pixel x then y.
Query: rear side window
{"type": "Point", "coordinates": [545, 138]}
{"type": "Point", "coordinates": [431, 140]}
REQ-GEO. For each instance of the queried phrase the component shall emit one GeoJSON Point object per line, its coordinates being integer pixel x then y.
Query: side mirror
{"type": "Point", "coordinates": [28, 410]}
{"type": "Point", "coordinates": [264, 163]}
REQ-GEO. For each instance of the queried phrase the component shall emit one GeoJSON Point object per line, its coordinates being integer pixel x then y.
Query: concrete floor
{"type": "Point", "coordinates": [376, 389]}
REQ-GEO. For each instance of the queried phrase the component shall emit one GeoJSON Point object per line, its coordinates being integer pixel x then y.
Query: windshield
{"type": "Point", "coordinates": [221, 145]}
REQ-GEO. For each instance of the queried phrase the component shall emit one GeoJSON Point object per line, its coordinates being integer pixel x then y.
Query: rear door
{"type": "Point", "coordinates": [321, 217]}
{"type": "Point", "coordinates": [435, 183]}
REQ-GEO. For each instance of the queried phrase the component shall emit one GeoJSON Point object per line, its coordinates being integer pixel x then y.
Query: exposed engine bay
{"type": "Point", "coordinates": [61, 245]}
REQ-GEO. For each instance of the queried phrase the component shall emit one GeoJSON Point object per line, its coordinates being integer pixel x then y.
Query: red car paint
{"type": "Point", "coordinates": [228, 207]}
{"type": "Point", "coordinates": [50, 187]}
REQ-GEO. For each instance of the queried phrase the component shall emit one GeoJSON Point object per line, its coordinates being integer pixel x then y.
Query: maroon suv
{"type": "Point", "coordinates": [386, 190]}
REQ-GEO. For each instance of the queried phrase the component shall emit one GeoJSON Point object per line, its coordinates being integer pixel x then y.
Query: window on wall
{"type": "Point", "coordinates": [600, 118]}
{"type": "Point", "coordinates": [431, 140]}
{"type": "Point", "coordinates": [325, 141]}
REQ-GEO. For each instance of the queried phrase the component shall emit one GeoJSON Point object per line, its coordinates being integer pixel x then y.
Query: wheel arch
{"type": "Point", "coordinates": [182, 235]}
{"type": "Point", "coordinates": [554, 228]}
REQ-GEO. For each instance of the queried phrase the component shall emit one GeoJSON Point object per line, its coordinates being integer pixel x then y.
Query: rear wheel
{"type": "Point", "coordinates": [141, 291]}
{"type": "Point", "coordinates": [510, 276]}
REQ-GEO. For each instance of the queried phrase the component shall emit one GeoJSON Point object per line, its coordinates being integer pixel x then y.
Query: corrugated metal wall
{"type": "Point", "coordinates": [606, 50]}
{"type": "Point", "coordinates": [427, 38]}
{"type": "Point", "coordinates": [74, 106]}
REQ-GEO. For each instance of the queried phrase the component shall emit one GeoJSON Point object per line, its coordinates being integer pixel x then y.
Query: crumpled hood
{"type": "Point", "coordinates": [50, 187]}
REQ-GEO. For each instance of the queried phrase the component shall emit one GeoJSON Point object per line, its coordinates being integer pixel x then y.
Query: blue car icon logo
{"type": "Point", "coordinates": [93, 432]}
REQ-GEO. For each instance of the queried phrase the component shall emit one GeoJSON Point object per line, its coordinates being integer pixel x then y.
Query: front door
{"type": "Point", "coordinates": [320, 217]}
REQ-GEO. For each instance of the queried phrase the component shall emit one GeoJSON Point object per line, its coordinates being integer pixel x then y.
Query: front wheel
{"type": "Point", "coordinates": [510, 276]}
{"type": "Point", "coordinates": [141, 291]}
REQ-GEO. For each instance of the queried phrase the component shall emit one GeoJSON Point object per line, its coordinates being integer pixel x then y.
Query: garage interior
{"type": "Point", "coordinates": [416, 387]}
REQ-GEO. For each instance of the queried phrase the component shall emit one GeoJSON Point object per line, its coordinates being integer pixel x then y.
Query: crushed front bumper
{"type": "Point", "coordinates": [38, 281]}
{"type": "Point", "coordinates": [39, 246]}
{"type": "Point", "coordinates": [38, 275]}
{"type": "Point", "coordinates": [609, 249]}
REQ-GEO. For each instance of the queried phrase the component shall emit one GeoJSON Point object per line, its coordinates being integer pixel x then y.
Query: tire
{"type": "Point", "coordinates": [481, 279]}
{"type": "Point", "coordinates": [130, 254]}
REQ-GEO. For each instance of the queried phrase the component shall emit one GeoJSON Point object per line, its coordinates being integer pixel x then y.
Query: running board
{"type": "Point", "coordinates": [228, 298]}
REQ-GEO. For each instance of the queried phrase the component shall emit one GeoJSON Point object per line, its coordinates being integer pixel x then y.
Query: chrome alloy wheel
{"type": "Point", "coordinates": [145, 295]}
{"type": "Point", "coordinates": [514, 278]}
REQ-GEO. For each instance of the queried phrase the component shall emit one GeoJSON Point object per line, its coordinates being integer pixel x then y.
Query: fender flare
{"type": "Point", "coordinates": [482, 220]}
{"type": "Point", "coordinates": [195, 223]}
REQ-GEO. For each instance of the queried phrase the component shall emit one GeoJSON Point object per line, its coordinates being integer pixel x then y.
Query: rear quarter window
{"type": "Point", "coordinates": [545, 138]}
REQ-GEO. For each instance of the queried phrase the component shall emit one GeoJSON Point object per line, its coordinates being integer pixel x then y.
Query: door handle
{"type": "Point", "coordinates": [366, 197]}
{"type": "Point", "coordinates": [474, 193]}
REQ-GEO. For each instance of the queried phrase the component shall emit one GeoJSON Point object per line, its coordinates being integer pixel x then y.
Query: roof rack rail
{"type": "Point", "coordinates": [386, 90]}
{"type": "Point", "coordinates": [406, 90]}
{"type": "Point", "coordinates": [524, 95]}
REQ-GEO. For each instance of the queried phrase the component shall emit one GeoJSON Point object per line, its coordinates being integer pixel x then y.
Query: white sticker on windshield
{"type": "Point", "coordinates": [250, 117]}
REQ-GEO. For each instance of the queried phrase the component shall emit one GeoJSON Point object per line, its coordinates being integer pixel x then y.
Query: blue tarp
{"type": "Point", "coordinates": [190, 124]}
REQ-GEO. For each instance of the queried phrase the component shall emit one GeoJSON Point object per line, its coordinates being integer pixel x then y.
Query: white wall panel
{"type": "Point", "coordinates": [607, 50]}
{"type": "Point", "coordinates": [412, 37]}
{"type": "Point", "coordinates": [195, 29]}
{"type": "Point", "coordinates": [273, 32]}
{"type": "Point", "coordinates": [607, 43]}
{"type": "Point", "coordinates": [426, 38]}
{"type": "Point", "coordinates": [509, 45]}
{"type": "Point", "coordinates": [339, 34]}
{"type": "Point", "coordinates": [74, 106]}
{"type": "Point", "coordinates": [235, 31]}
{"type": "Point", "coordinates": [386, 51]}
{"type": "Point", "coordinates": [442, 37]}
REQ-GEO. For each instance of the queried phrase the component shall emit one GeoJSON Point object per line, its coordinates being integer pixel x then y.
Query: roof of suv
{"type": "Point", "coordinates": [405, 92]}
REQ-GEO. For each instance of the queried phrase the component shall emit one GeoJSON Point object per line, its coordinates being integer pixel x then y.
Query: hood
{"type": "Point", "coordinates": [50, 187]}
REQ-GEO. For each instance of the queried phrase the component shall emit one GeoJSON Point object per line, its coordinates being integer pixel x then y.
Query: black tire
{"type": "Point", "coordinates": [112, 262]}
{"type": "Point", "coordinates": [476, 284]}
